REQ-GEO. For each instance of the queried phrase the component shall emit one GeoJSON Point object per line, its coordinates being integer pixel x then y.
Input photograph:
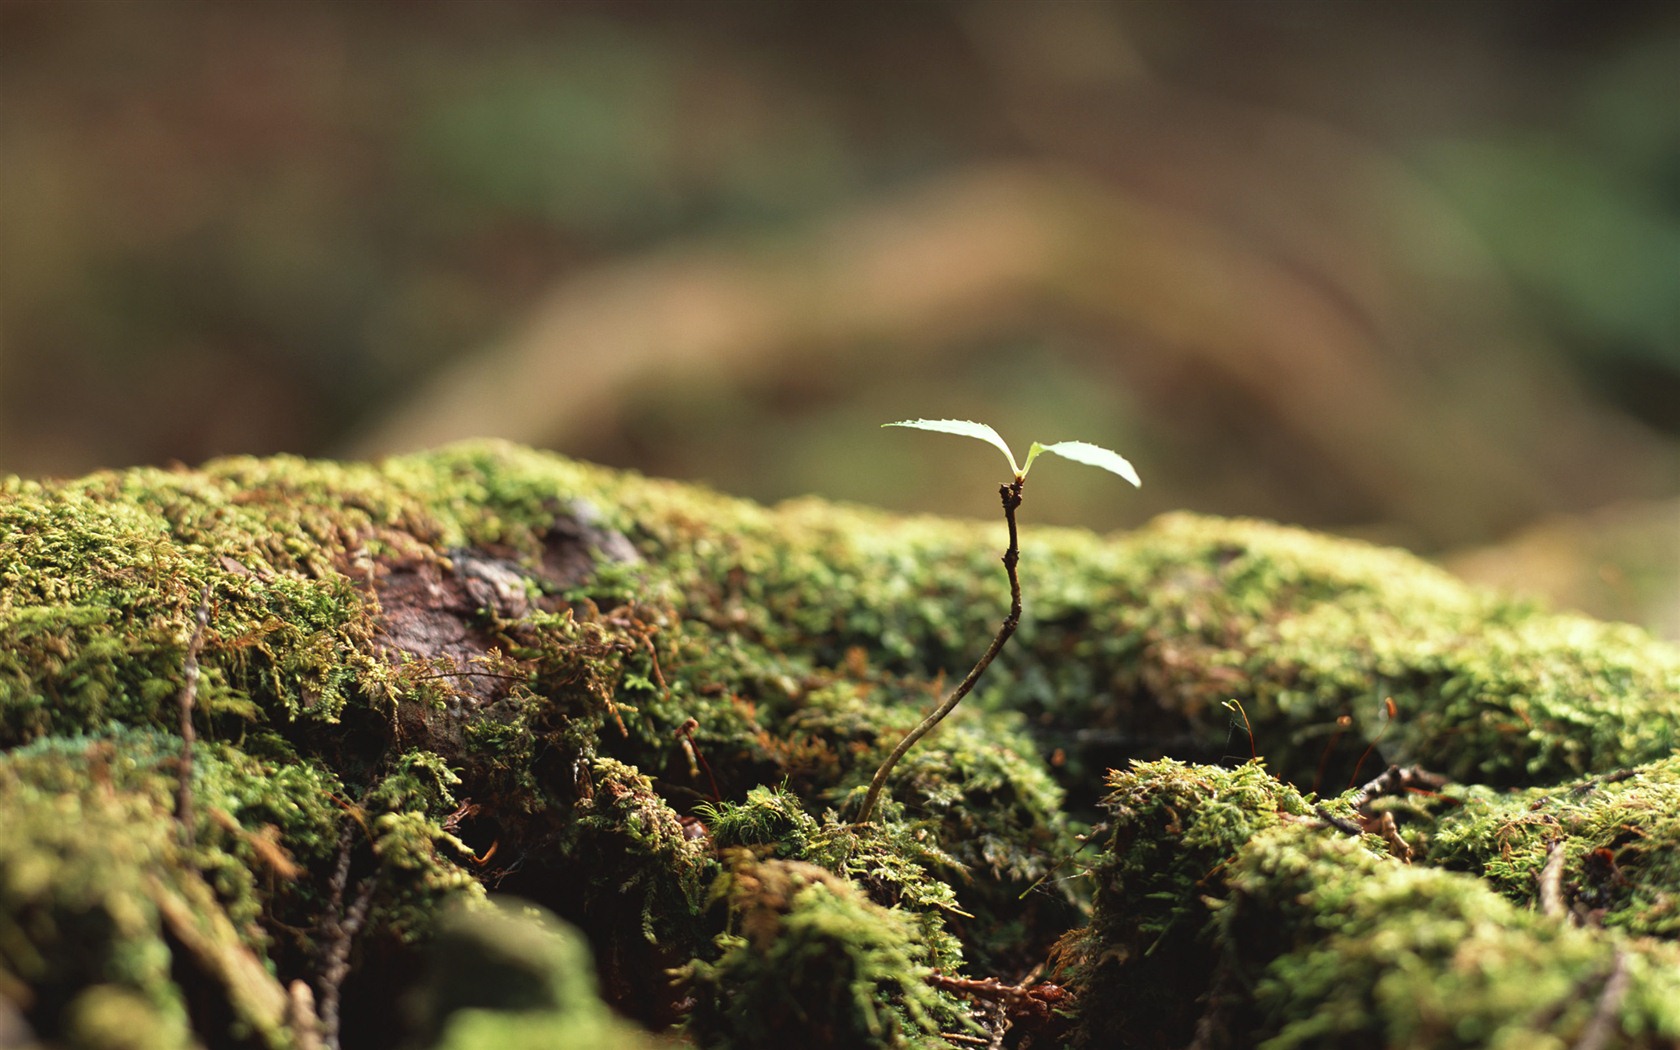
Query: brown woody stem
{"type": "Point", "coordinates": [1011, 495]}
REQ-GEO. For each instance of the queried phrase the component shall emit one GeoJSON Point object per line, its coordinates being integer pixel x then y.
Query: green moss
{"type": "Point", "coordinates": [807, 954]}
{"type": "Point", "coordinates": [514, 976]}
{"type": "Point", "coordinates": [499, 666]}
{"type": "Point", "coordinates": [1616, 835]}
{"type": "Point", "coordinates": [111, 1017]}
{"type": "Point", "coordinates": [101, 910]}
{"type": "Point", "coordinates": [1223, 907]}
{"type": "Point", "coordinates": [770, 817]}
{"type": "Point", "coordinates": [1176, 829]}
{"type": "Point", "coordinates": [640, 860]}
{"type": "Point", "coordinates": [1306, 630]}
{"type": "Point", "coordinates": [897, 864]}
{"type": "Point", "coordinates": [1347, 948]}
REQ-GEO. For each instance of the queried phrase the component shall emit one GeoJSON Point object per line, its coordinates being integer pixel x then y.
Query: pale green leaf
{"type": "Point", "coordinates": [1032, 454]}
{"type": "Point", "coordinates": [963, 428]}
{"type": "Point", "coordinates": [1091, 455]}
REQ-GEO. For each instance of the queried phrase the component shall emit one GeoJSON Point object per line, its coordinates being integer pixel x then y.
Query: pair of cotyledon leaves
{"type": "Point", "coordinates": [1078, 451]}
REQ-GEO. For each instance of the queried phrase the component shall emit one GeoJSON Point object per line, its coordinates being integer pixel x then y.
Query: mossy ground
{"type": "Point", "coordinates": [490, 668]}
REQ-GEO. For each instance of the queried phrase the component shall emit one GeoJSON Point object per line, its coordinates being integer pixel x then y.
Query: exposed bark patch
{"type": "Point", "coordinates": [577, 542]}
{"type": "Point", "coordinates": [445, 611]}
{"type": "Point", "coordinates": [440, 614]}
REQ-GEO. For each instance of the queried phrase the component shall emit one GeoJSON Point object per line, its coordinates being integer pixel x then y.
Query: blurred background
{"type": "Point", "coordinates": [1407, 271]}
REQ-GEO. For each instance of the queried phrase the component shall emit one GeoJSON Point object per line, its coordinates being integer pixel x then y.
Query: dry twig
{"type": "Point", "coordinates": [189, 697]}
{"type": "Point", "coordinates": [1394, 781]}
{"type": "Point", "coordinates": [1596, 1036]}
{"type": "Point", "coordinates": [1551, 881]}
{"type": "Point", "coordinates": [339, 932]}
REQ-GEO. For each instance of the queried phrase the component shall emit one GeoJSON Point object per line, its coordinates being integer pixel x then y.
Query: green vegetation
{"type": "Point", "coordinates": [807, 952]}
{"type": "Point", "coordinates": [649, 708]}
{"type": "Point", "coordinates": [1011, 496]}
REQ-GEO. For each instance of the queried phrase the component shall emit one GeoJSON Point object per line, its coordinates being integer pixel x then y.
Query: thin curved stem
{"type": "Point", "coordinates": [1011, 495]}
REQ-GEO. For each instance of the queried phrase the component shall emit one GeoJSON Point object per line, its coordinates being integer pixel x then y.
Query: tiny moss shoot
{"type": "Point", "coordinates": [1010, 493]}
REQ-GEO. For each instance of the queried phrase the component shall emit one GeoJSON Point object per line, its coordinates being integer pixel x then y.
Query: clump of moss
{"type": "Point", "coordinates": [625, 826]}
{"type": "Point", "coordinates": [511, 976]}
{"type": "Point", "coordinates": [989, 800]}
{"type": "Point", "coordinates": [102, 910]}
{"type": "Point", "coordinates": [114, 1017]}
{"type": "Point", "coordinates": [1314, 635]}
{"type": "Point", "coordinates": [1614, 837]}
{"type": "Point", "coordinates": [1342, 948]}
{"type": "Point", "coordinates": [896, 864]}
{"type": "Point", "coordinates": [808, 959]}
{"type": "Point", "coordinates": [770, 818]}
{"type": "Point", "coordinates": [1148, 951]}
{"type": "Point", "coordinates": [1225, 907]}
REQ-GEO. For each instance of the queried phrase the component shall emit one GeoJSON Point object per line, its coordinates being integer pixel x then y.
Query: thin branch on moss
{"type": "Point", "coordinates": [1341, 824]}
{"type": "Point", "coordinates": [341, 926]}
{"type": "Point", "coordinates": [1028, 1000]}
{"type": "Point", "coordinates": [1596, 1036]}
{"type": "Point", "coordinates": [1396, 780]}
{"type": "Point", "coordinates": [1011, 496]}
{"type": "Point", "coordinates": [1551, 881]}
{"type": "Point", "coordinates": [473, 674]}
{"type": "Point", "coordinates": [1098, 830]}
{"type": "Point", "coordinates": [301, 1019]}
{"type": "Point", "coordinates": [189, 697]}
{"type": "Point", "coordinates": [696, 760]}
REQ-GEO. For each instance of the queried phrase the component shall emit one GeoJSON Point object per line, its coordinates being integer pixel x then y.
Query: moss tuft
{"type": "Point", "coordinates": [1347, 948]}
{"type": "Point", "coordinates": [808, 958]}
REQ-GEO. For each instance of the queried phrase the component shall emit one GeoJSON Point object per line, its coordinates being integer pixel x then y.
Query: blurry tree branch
{"type": "Point", "coordinates": [993, 245]}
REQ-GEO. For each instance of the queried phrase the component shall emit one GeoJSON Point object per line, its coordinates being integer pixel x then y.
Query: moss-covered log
{"type": "Point", "coordinates": [652, 710]}
{"type": "Point", "coordinates": [1231, 912]}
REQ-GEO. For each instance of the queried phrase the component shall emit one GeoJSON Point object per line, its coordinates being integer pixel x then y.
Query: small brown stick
{"type": "Point", "coordinates": [1011, 495]}
{"type": "Point", "coordinates": [1395, 780]}
{"type": "Point", "coordinates": [1551, 881]}
{"type": "Point", "coordinates": [1588, 787]}
{"type": "Point", "coordinates": [1345, 826]}
{"type": "Point", "coordinates": [1032, 1001]}
{"type": "Point", "coordinates": [301, 1019]}
{"type": "Point", "coordinates": [340, 930]}
{"type": "Point", "coordinates": [188, 697]}
{"type": "Point", "coordinates": [1596, 1036]}
{"type": "Point", "coordinates": [1397, 845]}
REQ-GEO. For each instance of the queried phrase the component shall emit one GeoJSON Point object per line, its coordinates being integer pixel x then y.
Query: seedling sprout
{"type": "Point", "coordinates": [1079, 452]}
